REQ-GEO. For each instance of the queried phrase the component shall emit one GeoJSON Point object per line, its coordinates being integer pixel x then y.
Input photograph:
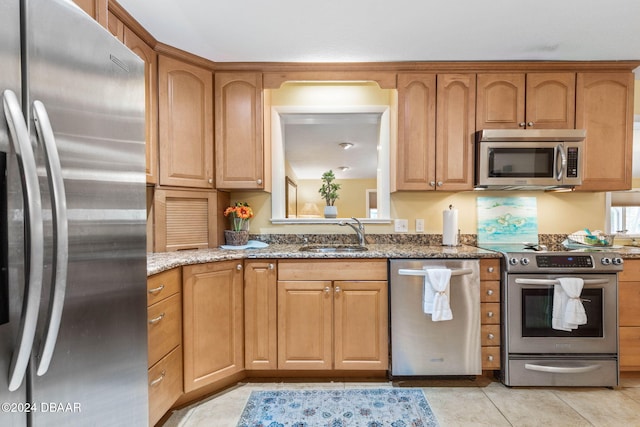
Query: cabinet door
{"type": "Point", "coordinates": [97, 9]}
{"type": "Point", "coordinates": [238, 127]}
{"type": "Point", "coordinates": [455, 132]}
{"type": "Point", "coordinates": [604, 107]}
{"type": "Point", "coordinates": [185, 107]}
{"type": "Point", "coordinates": [213, 329]}
{"type": "Point", "coordinates": [500, 103]}
{"type": "Point", "coordinates": [551, 100]}
{"type": "Point", "coordinates": [260, 315]}
{"type": "Point", "coordinates": [361, 325]}
{"type": "Point", "coordinates": [416, 132]}
{"type": "Point", "coordinates": [147, 54]}
{"type": "Point", "coordinates": [304, 325]}
{"type": "Point", "coordinates": [115, 26]}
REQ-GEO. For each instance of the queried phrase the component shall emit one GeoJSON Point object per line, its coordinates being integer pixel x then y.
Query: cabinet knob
{"type": "Point", "coordinates": [271, 267]}
{"type": "Point", "coordinates": [259, 181]}
{"type": "Point", "coordinates": [489, 291]}
{"type": "Point", "coordinates": [521, 124]}
{"type": "Point", "coordinates": [491, 336]}
{"type": "Point", "coordinates": [327, 290]}
{"type": "Point", "coordinates": [338, 289]}
{"type": "Point", "coordinates": [239, 267]}
{"type": "Point", "coordinates": [490, 314]}
{"type": "Point", "coordinates": [530, 124]}
{"type": "Point", "coordinates": [490, 269]}
{"type": "Point", "coordinates": [210, 180]}
{"type": "Point", "coordinates": [440, 183]}
{"type": "Point", "coordinates": [432, 183]}
{"type": "Point", "coordinates": [490, 358]}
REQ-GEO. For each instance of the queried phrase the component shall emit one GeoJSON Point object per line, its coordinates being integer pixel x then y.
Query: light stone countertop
{"type": "Point", "coordinates": [161, 261]}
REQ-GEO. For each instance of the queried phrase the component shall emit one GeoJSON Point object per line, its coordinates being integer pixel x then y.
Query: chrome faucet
{"type": "Point", "coordinates": [358, 229]}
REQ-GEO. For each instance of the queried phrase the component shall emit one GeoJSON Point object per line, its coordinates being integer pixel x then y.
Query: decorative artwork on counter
{"type": "Point", "coordinates": [507, 219]}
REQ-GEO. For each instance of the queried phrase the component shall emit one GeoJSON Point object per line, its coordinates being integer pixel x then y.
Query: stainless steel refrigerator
{"type": "Point", "coordinates": [73, 340]}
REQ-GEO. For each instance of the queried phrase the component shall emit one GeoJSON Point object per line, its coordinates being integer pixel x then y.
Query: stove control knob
{"type": "Point", "coordinates": [606, 261]}
{"type": "Point", "coordinates": [618, 261]}
{"type": "Point", "coordinates": [524, 261]}
{"type": "Point", "coordinates": [513, 261]}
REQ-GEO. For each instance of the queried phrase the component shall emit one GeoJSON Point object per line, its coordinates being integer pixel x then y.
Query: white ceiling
{"type": "Point", "coordinates": [400, 30]}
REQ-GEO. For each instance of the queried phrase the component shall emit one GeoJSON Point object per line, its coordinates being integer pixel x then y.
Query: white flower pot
{"type": "Point", "coordinates": [330, 212]}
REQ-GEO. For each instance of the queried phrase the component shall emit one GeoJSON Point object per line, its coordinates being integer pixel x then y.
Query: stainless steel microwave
{"type": "Point", "coordinates": [518, 159]}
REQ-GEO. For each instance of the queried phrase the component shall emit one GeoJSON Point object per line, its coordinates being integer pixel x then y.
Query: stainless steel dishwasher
{"type": "Point", "coordinates": [421, 346]}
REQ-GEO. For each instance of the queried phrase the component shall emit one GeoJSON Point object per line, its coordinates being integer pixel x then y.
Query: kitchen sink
{"type": "Point", "coordinates": [333, 248]}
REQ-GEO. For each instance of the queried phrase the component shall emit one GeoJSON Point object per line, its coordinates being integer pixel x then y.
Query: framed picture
{"type": "Point", "coordinates": [291, 198]}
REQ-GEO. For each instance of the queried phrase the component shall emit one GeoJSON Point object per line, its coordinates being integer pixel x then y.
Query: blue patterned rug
{"type": "Point", "coordinates": [377, 407]}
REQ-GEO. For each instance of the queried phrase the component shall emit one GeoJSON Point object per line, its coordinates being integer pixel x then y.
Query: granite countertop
{"type": "Point", "coordinates": [161, 261]}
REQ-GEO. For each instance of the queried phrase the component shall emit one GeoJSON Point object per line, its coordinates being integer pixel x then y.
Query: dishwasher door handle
{"type": "Point", "coordinates": [423, 272]}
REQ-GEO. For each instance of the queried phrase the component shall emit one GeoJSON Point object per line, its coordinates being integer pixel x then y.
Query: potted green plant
{"type": "Point", "coordinates": [329, 192]}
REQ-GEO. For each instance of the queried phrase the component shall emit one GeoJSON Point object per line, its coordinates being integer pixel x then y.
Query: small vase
{"type": "Point", "coordinates": [236, 238]}
{"type": "Point", "coordinates": [330, 212]}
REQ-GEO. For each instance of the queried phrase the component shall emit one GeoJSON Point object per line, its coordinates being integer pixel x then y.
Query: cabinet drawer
{"type": "Point", "coordinates": [490, 313]}
{"type": "Point", "coordinates": [163, 285]}
{"type": "Point", "coordinates": [325, 269]}
{"type": "Point", "coordinates": [490, 269]}
{"type": "Point", "coordinates": [490, 291]}
{"type": "Point", "coordinates": [165, 384]}
{"type": "Point", "coordinates": [164, 327]}
{"type": "Point", "coordinates": [490, 335]}
{"type": "Point", "coordinates": [491, 357]}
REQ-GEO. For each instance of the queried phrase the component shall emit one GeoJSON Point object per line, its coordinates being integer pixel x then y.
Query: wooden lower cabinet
{"type": "Point", "coordinates": [490, 313]}
{"type": "Point", "coordinates": [628, 317]}
{"type": "Point", "coordinates": [333, 321]}
{"type": "Point", "coordinates": [260, 315]}
{"type": "Point", "coordinates": [213, 336]}
{"type": "Point", "coordinates": [164, 330]}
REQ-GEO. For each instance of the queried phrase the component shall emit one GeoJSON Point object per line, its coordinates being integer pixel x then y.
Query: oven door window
{"type": "Point", "coordinates": [521, 162]}
{"type": "Point", "coordinates": [537, 314]}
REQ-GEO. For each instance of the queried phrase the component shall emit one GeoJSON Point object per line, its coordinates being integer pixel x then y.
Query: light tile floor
{"type": "Point", "coordinates": [493, 405]}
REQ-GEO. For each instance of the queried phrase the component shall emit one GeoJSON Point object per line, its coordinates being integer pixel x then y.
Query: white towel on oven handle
{"type": "Point", "coordinates": [568, 311]}
{"type": "Point", "coordinates": [436, 294]}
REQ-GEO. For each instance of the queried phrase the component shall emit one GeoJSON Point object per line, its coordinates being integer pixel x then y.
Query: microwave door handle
{"type": "Point", "coordinates": [563, 162]}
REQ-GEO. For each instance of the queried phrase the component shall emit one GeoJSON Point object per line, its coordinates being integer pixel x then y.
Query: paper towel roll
{"type": "Point", "coordinates": [450, 227]}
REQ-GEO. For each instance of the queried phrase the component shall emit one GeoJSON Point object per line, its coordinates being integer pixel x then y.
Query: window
{"type": "Point", "coordinates": [624, 212]}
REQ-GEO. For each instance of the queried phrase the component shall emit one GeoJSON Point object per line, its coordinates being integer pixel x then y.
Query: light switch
{"type": "Point", "coordinates": [419, 225]}
{"type": "Point", "coordinates": [401, 225]}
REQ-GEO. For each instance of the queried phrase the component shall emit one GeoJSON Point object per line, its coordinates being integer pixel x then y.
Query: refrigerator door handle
{"type": "Point", "coordinates": [60, 235]}
{"type": "Point", "coordinates": [34, 243]}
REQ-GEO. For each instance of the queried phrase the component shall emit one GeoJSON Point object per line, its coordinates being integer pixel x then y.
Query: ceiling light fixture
{"type": "Point", "coordinates": [343, 168]}
{"type": "Point", "coordinates": [346, 145]}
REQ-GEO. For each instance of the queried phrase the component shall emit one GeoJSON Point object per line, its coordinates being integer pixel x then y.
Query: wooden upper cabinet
{"type": "Point", "coordinates": [455, 131]}
{"type": "Point", "coordinates": [147, 54]}
{"type": "Point", "coordinates": [533, 100]}
{"type": "Point", "coordinates": [416, 131]}
{"type": "Point", "coordinates": [185, 116]}
{"type": "Point", "coordinates": [115, 26]}
{"type": "Point", "coordinates": [436, 155]}
{"type": "Point", "coordinates": [238, 127]}
{"type": "Point", "coordinates": [604, 107]}
{"type": "Point", "coordinates": [97, 9]}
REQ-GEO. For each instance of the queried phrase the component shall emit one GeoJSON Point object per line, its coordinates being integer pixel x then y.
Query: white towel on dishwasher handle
{"type": "Point", "coordinates": [436, 294]}
{"type": "Point", "coordinates": [568, 311]}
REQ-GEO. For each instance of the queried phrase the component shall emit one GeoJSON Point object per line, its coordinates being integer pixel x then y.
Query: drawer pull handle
{"type": "Point", "coordinates": [156, 319]}
{"type": "Point", "coordinates": [156, 290]}
{"type": "Point", "coordinates": [158, 380]}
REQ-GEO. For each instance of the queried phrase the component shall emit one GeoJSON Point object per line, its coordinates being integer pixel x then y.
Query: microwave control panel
{"type": "Point", "coordinates": [572, 162]}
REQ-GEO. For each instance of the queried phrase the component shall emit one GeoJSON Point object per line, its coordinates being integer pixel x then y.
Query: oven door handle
{"type": "Point", "coordinates": [561, 369]}
{"type": "Point", "coordinates": [547, 282]}
{"type": "Point", "coordinates": [410, 272]}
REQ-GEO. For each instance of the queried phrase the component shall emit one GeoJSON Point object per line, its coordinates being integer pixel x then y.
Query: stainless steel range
{"type": "Point", "coordinates": [542, 344]}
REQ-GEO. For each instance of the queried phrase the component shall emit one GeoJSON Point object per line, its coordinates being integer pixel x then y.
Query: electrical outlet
{"type": "Point", "coordinates": [419, 225]}
{"type": "Point", "coordinates": [401, 225]}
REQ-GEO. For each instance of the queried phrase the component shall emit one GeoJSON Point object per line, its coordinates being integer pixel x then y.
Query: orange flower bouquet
{"type": "Point", "coordinates": [240, 213]}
